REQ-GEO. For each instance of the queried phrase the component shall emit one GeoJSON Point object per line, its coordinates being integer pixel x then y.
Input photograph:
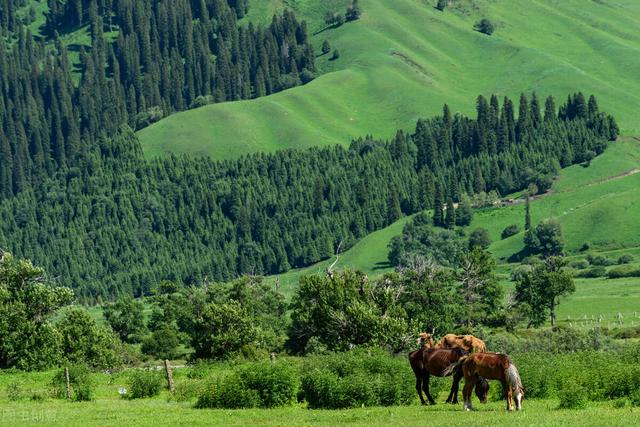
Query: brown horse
{"type": "Point", "coordinates": [428, 361]}
{"type": "Point", "coordinates": [493, 366]}
{"type": "Point", "coordinates": [466, 342]}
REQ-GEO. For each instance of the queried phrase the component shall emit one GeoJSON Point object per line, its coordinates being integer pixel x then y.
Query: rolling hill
{"type": "Point", "coordinates": [405, 59]}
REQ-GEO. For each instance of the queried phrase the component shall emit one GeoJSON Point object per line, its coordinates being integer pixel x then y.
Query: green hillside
{"type": "Point", "coordinates": [404, 59]}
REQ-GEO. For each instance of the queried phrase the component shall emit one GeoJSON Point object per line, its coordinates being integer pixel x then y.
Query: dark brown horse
{"type": "Point", "coordinates": [428, 361]}
{"type": "Point", "coordinates": [494, 366]}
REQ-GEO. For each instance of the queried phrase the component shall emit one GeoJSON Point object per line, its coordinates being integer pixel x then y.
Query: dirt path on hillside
{"type": "Point", "coordinates": [508, 202]}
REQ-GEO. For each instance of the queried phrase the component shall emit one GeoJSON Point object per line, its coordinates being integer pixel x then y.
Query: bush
{"type": "Point", "coordinates": [80, 380]}
{"type": "Point", "coordinates": [510, 230]}
{"type": "Point", "coordinates": [623, 271]}
{"type": "Point", "coordinates": [479, 238]}
{"type": "Point", "coordinates": [485, 26]}
{"type": "Point", "coordinates": [144, 384]}
{"type": "Point", "coordinates": [580, 264]}
{"type": "Point", "coordinates": [598, 271]}
{"type": "Point", "coordinates": [357, 378]}
{"type": "Point", "coordinates": [572, 396]}
{"type": "Point", "coordinates": [599, 260]}
{"type": "Point", "coordinates": [625, 259]}
{"type": "Point", "coordinates": [14, 391]}
{"type": "Point", "coordinates": [228, 391]}
{"type": "Point", "coordinates": [635, 398]}
{"type": "Point", "coordinates": [276, 383]}
{"type": "Point", "coordinates": [620, 403]}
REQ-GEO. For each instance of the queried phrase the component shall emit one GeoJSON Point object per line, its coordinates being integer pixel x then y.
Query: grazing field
{"type": "Point", "coordinates": [404, 59]}
{"type": "Point", "coordinates": [117, 412]}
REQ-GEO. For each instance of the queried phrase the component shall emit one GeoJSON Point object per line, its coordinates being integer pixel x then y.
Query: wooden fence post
{"type": "Point", "coordinates": [167, 368]}
{"type": "Point", "coordinates": [66, 379]}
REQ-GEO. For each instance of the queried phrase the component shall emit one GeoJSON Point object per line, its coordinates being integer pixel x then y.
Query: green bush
{"type": "Point", "coordinates": [229, 392]}
{"type": "Point", "coordinates": [144, 384]}
{"type": "Point", "coordinates": [572, 396]}
{"type": "Point", "coordinates": [599, 260]}
{"type": "Point", "coordinates": [598, 271]}
{"type": "Point", "coordinates": [357, 378]}
{"type": "Point", "coordinates": [625, 259]}
{"type": "Point", "coordinates": [620, 403]}
{"type": "Point", "coordinates": [623, 271]}
{"type": "Point", "coordinates": [80, 380]}
{"type": "Point", "coordinates": [510, 230]}
{"type": "Point", "coordinates": [14, 391]}
{"type": "Point", "coordinates": [580, 264]}
{"type": "Point", "coordinates": [634, 398]}
{"type": "Point", "coordinates": [276, 383]}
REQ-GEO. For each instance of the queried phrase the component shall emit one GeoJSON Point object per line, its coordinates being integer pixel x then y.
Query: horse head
{"type": "Point", "coordinates": [482, 389]}
{"type": "Point", "coordinates": [425, 339]}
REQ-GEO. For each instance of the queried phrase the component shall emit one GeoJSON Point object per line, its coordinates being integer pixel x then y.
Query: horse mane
{"type": "Point", "coordinates": [513, 377]}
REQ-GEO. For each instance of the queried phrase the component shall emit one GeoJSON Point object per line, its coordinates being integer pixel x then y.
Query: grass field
{"type": "Point", "coordinates": [403, 59]}
{"type": "Point", "coordinates": [155, 412]}
{"type": "Point", "coordinates": [110, 410]}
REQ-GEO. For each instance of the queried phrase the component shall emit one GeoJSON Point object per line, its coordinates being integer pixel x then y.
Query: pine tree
{"type": "Point", "coordinates": [441, 5]}
{"type": "Point", "coordinates": [450, 220]}
{"type": "Point", "coordinates": [326, 47]}
{"type": "Point", "coordinates": [527, 213]}
{"type": "Point", "coordinates": [550, 110]}
{"type": "Point", "coordinates": [438, 214]}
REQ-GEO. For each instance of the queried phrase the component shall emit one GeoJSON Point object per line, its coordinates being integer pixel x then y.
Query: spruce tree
{"type": "Point", "coordinates": [441, 5]}
{"type": "Point", "coordinates": [450, 220]}
{"type": "Point", "coordinates": [438, 205]}
{"type": "Point", "coordinates": [527, 213]}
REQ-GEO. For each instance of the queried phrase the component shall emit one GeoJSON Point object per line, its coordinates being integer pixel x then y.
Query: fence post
{"type": "Point", "coordinates": [167, 368]}
{"type": "Point", "coordinates": [66, 379]}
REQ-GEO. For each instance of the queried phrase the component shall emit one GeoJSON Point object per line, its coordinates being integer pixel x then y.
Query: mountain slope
{"type": "Point", "coordinates": [404, 59]}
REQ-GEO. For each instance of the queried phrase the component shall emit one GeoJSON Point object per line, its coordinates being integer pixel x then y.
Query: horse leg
{"type": "Point", "coordinates": [455, 386]}
{"type": "Point", "coordinates": [466, 392]}
{"type": "Point", "coordinates": [509, 394]}
{"type": "Point", "coordinates": [419, 387]}
{"type": "Point", "coordinates": [425, 384]}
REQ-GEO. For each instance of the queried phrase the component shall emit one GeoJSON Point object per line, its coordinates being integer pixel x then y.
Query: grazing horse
{"type": "Point", "coordinates": [427, 361]}
{"type": "Point", "coordinates": [493, 366]}
{"type": "Point", "coordinates": [467, 342]}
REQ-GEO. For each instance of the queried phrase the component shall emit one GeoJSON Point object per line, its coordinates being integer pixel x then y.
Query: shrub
{"type": "Point", "coordinates": [276, 383]}
{"type": "Point", "coordinates": [144, 384]}
{"type": "Point", "coordinates": [580, 264]}
{"type": "Point", "coordinates": [635, 398]}
{"type": "Point", "coordinates": [228, 391]}
{"type": "Point", "coordinates": [572, 396]}
{"type": "Point", "coordinates": [599, 260]}
{"type": "Point", "coordinates": [510, 230]}
{"type": "Point", "coordinates": [80, 380]}
{"type": "Point", "coordinates": [625, 259]}
{"type": "Point", "coordinates": [620, 403]}
{"type": "Point", "coordinates": [623, 271]}
{"type": "Point", "coordinates": [14, 391]}
{"type": "Point", "coordinates": [359, 378]}
{"type": "Point", "coordinates": [336, 54]}
{"type": "Point", "coordinates": [485, 26]}
{"type": "Point", "coordinates": [598, 271]}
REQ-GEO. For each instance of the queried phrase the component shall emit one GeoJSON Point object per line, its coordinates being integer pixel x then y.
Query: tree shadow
{"type": "Point", "coordinates": [382, 265]}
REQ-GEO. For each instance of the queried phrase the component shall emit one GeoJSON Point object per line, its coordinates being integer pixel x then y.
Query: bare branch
{"type": "Point", "coordinates": [330, 269]}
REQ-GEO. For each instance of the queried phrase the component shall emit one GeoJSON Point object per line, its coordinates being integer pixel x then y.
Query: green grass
{"type": "Point", "coordinates": [110, 410]}
{"type": "Point", "coordinates": [403, 60]}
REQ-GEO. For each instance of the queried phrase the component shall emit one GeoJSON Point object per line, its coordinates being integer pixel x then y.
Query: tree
{"type": "Point", "coordinates": [438, 208]}
{"type": "Point", "coordinates": [162, 343]}
{"type": "Point", "coordinates": [83, 341]}
{"type": "Point", "coordinates": [479, 287]}
{"type": "Point", "coordinates": [326, 47]}
{"type": "Point", "coordinates": [464, 213]}
{"type": "Point", "coordinates": [28, 301]}
{"type": "Point", "coordinates": [485, 26]}
{"type": "Point", "coordinates": [450, 220]}
{"type": "Point", "coordinates": [538, 292]}
{"type": "Point", "coordinates": [126, 318]}
{"type": "Point", "coordinates": [527, 213]}
{"type": "Point", "coordinates": [336, 54]}
{"type": "Point", "coordinates": [353, 11]}
{"type": "Point", "coordinates": [509, 230]}
{"type": "Point", "coordinates": [479, 238]}
{"type": "Point", "coordinates": [546, 239]}
{"type": "Point", "coordinates": [441, 5]}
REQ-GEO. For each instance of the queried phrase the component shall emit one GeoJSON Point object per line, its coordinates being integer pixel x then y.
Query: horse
{"type": "Point", "coordinates": [495, 366]}
{"type": "Point", "coordinates": [427, 361]}
{"type": "Point", "coordinates": [466, 342]}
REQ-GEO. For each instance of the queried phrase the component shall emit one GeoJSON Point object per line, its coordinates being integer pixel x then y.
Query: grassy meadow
{"type": "Point", "coordinates": [404, 59]}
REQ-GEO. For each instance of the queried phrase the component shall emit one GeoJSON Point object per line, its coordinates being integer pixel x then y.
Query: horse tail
{"type": "Point", "coordinates": [512, 376]}
{"type": "Point", "coordinates": [452, 367]}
